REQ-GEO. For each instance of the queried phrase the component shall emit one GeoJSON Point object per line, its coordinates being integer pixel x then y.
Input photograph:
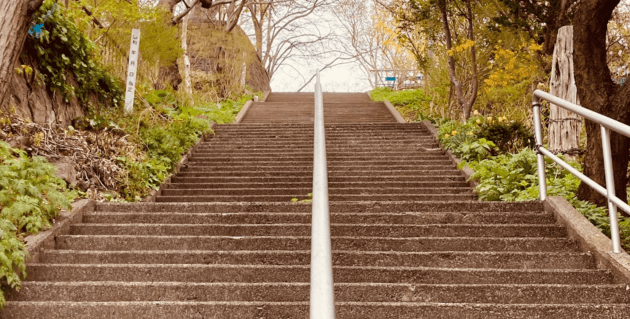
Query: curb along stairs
{"type": "Point", "coordinates": [409, 238]}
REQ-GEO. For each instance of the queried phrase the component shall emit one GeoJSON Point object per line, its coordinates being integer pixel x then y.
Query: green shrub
{"type": "Point", "coordinates": [30, 196]}
{"type": "Point", "coordinates": [400, 98]}
{"type": "Point", "coordinates": [508, 136]}
{"type": "Point", "coordinates": [12, 258]}
{"type": "Point", "coordinates": [506, 176]}
{"type": "Point", "coordinates": [513, 177]}
{"type": "Point", "coordinates": [142, 176]}
{"type": "Point", "coordinates": [477, 150]}
{"type": "Point", "coordinates": [165, 147]}
{"type": "Point", "coordinates": [453, 134]}
{"type": "Point", "coordinates": [412, 104]}
{"type": "Point", "coordinates": [165, 125]}
{"type": "Point", "coordinates": [30, 192]}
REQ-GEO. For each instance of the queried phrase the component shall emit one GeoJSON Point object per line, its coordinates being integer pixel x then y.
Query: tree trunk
{"type": "Point", "coordinates": [464, 101]}
{"type": "Point", "coordinates": [187, 81]}
{"type": "Point", "coordinates": [472, 95]}
{"type": "Point", "coordinates": [168, 75]}
{"type": "Point", "coordinates": [234, 13]}
{"type": "Point", "coordinates": [15, 19]}
{"type": "Point", "coordinates": [564, 126]}
{"type": "Point", "coordinates": [598, 92]}
{"type": "Point", "coordinates": [455, 84]}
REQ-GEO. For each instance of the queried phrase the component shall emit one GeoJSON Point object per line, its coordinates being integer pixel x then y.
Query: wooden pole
{"type": "Point", "coordinates": [187, 80]}
{"type": "Point", "coordinates": [564, 126]}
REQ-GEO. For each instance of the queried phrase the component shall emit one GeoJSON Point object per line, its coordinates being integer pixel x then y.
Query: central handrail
{"type": "Point", "coordinates": [606, 124]}
{"type": "Point", "coordinates": [322, 304]}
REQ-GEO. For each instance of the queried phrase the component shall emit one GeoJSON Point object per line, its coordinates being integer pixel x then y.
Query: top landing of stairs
{"type": "Point", "coordinates": [298, 108]}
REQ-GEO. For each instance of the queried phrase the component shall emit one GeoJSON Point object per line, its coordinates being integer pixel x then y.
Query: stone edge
{"type": "Point", "coordinates": [467, 171]}
{"type": "Point", "coordinates": [241, 114]}
{"type": "Point", "coordinates": [265, 96]}
{"type": "Point", "coordinates": [589, 238]}
{"type": "Point", "coordinates": [46, 239]}
{"type": "Point", "coordinates": [183, 163]}
{"type": "Point", "coordinates": [394, 112]}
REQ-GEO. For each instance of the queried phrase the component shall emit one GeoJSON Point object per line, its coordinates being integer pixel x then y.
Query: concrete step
{"type": "Point", "coordinates": [332, 197]}
{"type": "Point", "coordinates": [357, 145]}
{"type": "Point", "coordinates": [359, 151]}
{"type": "Point", "coordinates": [332, 138]}
{"type": "Point", "coordinates": [302, 134]}
{"type": "Point", "coordinates": [335, 207]}
{"type": "Point", "coordinates": [290, 141]}
{"type": "Point", "coordinates": [331, 162]}
{"type": "Point", "coordinates": [262, 156]}
{"type": "Point", "coordinates": [331, 185]}
{"type": "Point", "coordinates": [373, 130]}
{"type": "Point", "coordinates": [306, 178]}
{"type": "Point", "coordinates": [330, 135]}
{"type": "Point", "coordinates": [309, 97]}
{"type": "Point", "coordinates": [298, 112]}
{"type": "Point", "coordinates": [292, 243]}
{"type": "Point", "coordinates": [346, 310]}
{"type": "Point", "coordinates": [305, 218]}
{"type": "Point", "coordinates": [447, 259]}
{"type": "Point", "coordinates": [361, 230]}
{"type": "Point", "coordinates": [380, 168]}
{"type": "Point", "coordinates": [349, 126]}
{"type": "Point", "coordinates": [406, 139]}
{"type": "Point", "coordinates": [352, 172]}
{"type": "Point", "coordinates": [300, 273]}
{"type": "Point", "coordinates": [305, 190]}
{"type": "Point", "coordinates": [283, 292]}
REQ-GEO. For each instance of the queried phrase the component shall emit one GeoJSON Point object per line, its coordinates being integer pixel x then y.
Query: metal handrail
{"type": "Point", "coordinates": [322, 304]}
{"type": "Point", "coordinates": [606, 125]}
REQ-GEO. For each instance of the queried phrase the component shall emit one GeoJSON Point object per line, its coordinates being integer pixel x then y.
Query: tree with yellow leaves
{"type": "Point", "coordinates": [451, 23]}
{"type": "Point", "coordinates": [371, 38]}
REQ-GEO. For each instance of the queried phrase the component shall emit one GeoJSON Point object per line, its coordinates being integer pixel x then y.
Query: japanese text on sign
{"type": "Point", "coordinates": [132, 70]}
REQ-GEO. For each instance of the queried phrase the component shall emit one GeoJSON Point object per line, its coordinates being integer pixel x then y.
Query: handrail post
{"type": "Point", "coordinates": [540, 158]}
{"type": "Point", "coordinates": [322, 305]}
{"type": "Point", "coordinates": [610, 190]}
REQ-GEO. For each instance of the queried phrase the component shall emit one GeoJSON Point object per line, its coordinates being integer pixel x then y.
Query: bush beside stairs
{"type": "Point", "coordinates": [410, 240]}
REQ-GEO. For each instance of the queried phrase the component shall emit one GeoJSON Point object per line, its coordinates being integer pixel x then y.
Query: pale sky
{"type": "Point", "coordinates": [342, 78]}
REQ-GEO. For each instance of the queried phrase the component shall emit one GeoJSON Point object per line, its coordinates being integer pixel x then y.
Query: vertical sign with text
{"type": "Point", "coordinates": [132, 70]}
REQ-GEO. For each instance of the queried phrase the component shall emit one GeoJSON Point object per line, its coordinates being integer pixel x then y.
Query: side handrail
{"type": "Point", "coordinates": [606, 125]}
{"type": "Point", "coordinates": [322, 305]}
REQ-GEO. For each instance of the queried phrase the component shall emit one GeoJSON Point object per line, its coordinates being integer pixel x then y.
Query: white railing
{"type": "Point", "coordinates": [606, 124]}
{"type": "Point", "coordinates": [322, 304]}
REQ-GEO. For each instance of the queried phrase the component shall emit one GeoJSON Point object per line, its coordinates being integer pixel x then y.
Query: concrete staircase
{"type": "Point", "coordinates": [409, 239]}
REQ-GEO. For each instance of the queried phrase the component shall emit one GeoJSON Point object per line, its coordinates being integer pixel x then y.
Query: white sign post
{"type": "Point", "coordinates": [132, 70]}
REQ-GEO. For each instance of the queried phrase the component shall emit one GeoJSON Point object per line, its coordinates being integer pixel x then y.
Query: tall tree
{"type": "Point", "coordinates": [282, 30]}
{"type": "Point", "coordinates": [465, 99]}
{"type": "Point", "coordinates": [598, 92]}
{"type": "Point", "coordinates": [449, 26]}
{"type": "Point", "coordinates": [15, 20]}
{"type": "Point", "coordinates": [370, 37]}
